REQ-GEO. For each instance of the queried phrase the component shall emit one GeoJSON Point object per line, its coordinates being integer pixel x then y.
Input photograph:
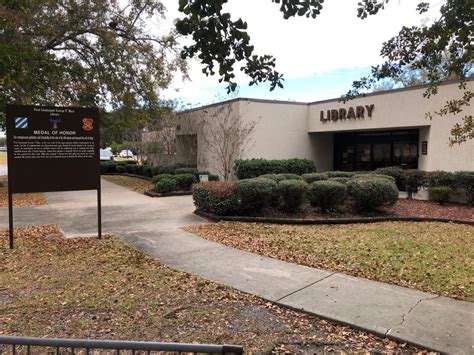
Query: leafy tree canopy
{"type": "Point", "coordinates": [442, 50]}
{"type": "Point", "coordinates": [88, 53]}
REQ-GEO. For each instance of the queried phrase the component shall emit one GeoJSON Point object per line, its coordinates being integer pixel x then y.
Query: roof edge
{"type": "Point", "coordinates": [385, 92]}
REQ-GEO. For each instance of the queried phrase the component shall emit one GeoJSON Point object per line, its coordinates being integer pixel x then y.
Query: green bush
{"type": "Point", "coordinates": [251, 168]}
{"type": "Point", "coordinates": [397, 173]}
{"type": "Point", "coordinates": [281, 177]}
{"type": "Point", "coordinates": [165, 185]}
{"type": "Point", "coordinates": [158, 177]}
{"type": "Point", "coordinates": [441, 178]}
{"type": "Point", "coordinates": [185, 181]}
{"type": "Point", "coordinates": [158, 170]}
{"type": "Point", "coordinates": [216, 197]}
{"type": "Point", "coordinates": [126, 162]}
{"type": "Point", "coordinates": [139, 169]}
{"type": "Point", "coordinates": [338, 174]}
{"type": "Point", "coordinates": [465, 181]}
{"type": "Point", "coordinates": [131, 168]}
{"type": "Point", "coordinates": [291, 194]}
{"type": "Point", "coordinates": [193, 171]}
{"type": "Point", "coordinates": [415, 179]}
{"type": "Point", "coordinates": [342, 180]}
{"type": "Point", "coordinates": [120, 169]}
{"type": "Point", "coordinates": [204, 172]}
{"type": "Point", "coordinates": [312, 177]}
{"type": "Point", "coordinates": [440, 194]}
{"type": "Point", "coordinates": [327, 195]}
{"type": "Point", "coordinates": [371, 176]}
{"type": "Point", "coordinates": [108, 167]}
{"type": "Point", "coordinates": [147, 171]}
{"type": "Point", "coordinates": [254, 194]}
{"type": "Point", "coordinates": [213, 177]}
{"type": "Point", "coordinates": [371, 194]}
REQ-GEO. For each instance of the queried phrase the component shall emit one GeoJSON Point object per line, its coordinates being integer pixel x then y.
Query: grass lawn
{"type": "Point", "coordinates": [3, 158]}
{"type": "Point", "coordinates": [89, 288]}
{"type": "Point", "coordinates": [132, 183]}
{"type": "Point", "coordinates": [433, 257]}
{"type": "Point", "coordinates": [20, 200]}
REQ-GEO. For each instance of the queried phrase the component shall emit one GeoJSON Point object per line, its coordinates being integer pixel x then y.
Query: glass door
{"type": "Point", "coordinates": [382, 155]}
{"type": "Point", "coordinates": [405, 155]}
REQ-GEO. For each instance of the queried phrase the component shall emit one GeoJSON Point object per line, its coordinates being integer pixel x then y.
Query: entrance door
{"type": "Point", "coordinates": [376, 149]}
{"type": "Point", "coordinates": [382, 155]}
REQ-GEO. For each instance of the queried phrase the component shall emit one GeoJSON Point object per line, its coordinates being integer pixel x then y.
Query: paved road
{"type": "Point", "coordinates": [153, 226]}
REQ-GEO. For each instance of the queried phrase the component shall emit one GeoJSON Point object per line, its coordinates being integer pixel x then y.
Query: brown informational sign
{"type": "Point", "coordinates": [52, 149]}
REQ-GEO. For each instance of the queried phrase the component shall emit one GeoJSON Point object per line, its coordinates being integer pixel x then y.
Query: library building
{"type": "Point", "coordinates": [387, 128]}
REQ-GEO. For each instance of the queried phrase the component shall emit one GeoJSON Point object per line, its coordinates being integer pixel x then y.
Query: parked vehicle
{"type": "Point", "coordinates": [106, 155]}
{"type": "Point", "coordinates": [126, 153]}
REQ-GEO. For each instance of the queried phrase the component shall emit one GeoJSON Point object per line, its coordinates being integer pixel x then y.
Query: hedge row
{"type": "Point", "coordinates": [251, 168]}
{"type": "Point", "coordinates": [131, 167]}
{"type": "Point", "coordinates": [251, 196]}
{"type": "Point", "coordinates": [409, 180]}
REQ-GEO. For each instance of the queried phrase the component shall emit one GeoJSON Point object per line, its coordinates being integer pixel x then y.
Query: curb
{"type": "Point", "coordinates": [216, 218]}
{"type": "Point", "coordinates": [151, 193]}
{"type": "Point", "coordinates": [129, 175]}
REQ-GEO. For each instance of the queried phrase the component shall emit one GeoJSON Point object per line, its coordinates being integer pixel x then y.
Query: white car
{"type": "Point", "coordinates": [126, 153]}
{"type": "Point", "coordinates": [106, 155]}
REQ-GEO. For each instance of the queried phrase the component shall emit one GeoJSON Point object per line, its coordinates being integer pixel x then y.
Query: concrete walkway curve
{"type": "Point", "coordinates": [153, 226]}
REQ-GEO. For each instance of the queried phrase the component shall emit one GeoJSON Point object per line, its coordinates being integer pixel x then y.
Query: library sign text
{"type": "Point", "coordinates": [347, 114]}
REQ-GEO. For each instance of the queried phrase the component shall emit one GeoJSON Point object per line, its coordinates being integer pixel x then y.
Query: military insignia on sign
{"type": "Point", "coordinates": [87, 124]}
{"type": "Point", "coordinates": [55, 121]}
{"type": "Point", "coordinates": [21, 122]}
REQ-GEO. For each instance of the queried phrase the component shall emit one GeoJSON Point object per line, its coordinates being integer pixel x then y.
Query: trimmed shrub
{"type": "Point", "coordinates": [373, 176]}
{"type": "Point", "coordinates": [465, 181]}
{"type": "Point", "coordinates": [106, 167]}
{"type": "Point", "coordinates": [131, 168]}
{"type": "Point", "coordinates": [291, 194]}
{"type": "Point", "coordinates": [213, 177]}
{"type": "Point", "coordinates": [327, 194]}
{"type": "Point", "coordinates": [371, 194]}
{"type": "Point", "coordinates": [415, 179]}
{"type": "Point", "coordinates": [158, 177]}
{"type": "Point", "coordinates": [281, 177]}
{"type": "Point", "coordinates": [312, 177]}
{"type": "Point", "coordinates": [441, 178]}
{"type": "Point", "coordinates": [185, 181]}
{"type": "Point", "coordinates": [397, 173]}
{"type": "Point", "coordinates": [193, 171]}
{"type": "Point", "coordinates": [205, 172]}
{"type": "Point", "coordinates": [165, 185]}
{"type": "Point", "coordinates": [139, 169]}
{"type": "Point", "coordinates": [147, 171]}
{"type": "Point", "coordinates": [254, 194]}
{"type": "Point", "coordinates": [337, 174]}
{"type": "Point", "coordinates": [120, 169]}
{"type": "Point", "coordinates": [158, 170]}
{"type": "Point", "coordinates": [251, 168]}
{"type": "Point", "coordinates": [216, 197]}
{"type": "Point", "coordinates": [440, 194]}
{"type": "Point", "coordinates": [126, 162]}
{"type": "Point", "coordinates": [342, 180]}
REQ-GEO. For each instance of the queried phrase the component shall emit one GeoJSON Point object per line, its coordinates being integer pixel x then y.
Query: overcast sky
{"type": "Point", "coordinates": [318, 57]}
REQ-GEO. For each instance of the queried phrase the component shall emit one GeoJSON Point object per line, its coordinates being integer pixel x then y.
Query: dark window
{"type": "Point", "coordinates": [372, 150]}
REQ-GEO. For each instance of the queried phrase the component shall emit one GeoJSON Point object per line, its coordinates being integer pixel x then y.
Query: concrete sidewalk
{"type": "Point", "coordinates": [153, 226]}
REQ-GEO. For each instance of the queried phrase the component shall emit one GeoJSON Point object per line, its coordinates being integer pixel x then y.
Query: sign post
{"type": "Point", "coordinates": [52, 149]}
